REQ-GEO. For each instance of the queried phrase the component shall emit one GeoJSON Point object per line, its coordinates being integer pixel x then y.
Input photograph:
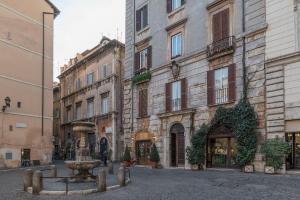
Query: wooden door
{"type": "Point", "coordinates": [181, 149]}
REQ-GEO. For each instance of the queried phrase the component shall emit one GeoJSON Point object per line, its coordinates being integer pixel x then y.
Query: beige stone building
{"type": "Point", "coordinates": [91, 91]}
{"type": "Point", "coordinates": [57, 133]}
{"type": "Point", "coordinates": [26, 59]}
{"type": "Point", "coordinates": [283, 74]}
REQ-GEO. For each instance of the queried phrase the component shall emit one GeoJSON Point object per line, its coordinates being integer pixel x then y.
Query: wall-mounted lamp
{"type": "Point", "coordinates": [7, 104]}
{"type": "Point", "coordinates": [175, 69]}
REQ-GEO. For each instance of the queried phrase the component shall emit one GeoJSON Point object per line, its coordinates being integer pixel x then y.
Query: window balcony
{"type": "Point", "coordinates": [221, 96]}
{"type": "Point", "coordinates": [221, 47]}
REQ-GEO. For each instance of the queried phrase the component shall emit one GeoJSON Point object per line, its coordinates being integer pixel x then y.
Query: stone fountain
{"type": "Point", "coordinates": [83, 163]}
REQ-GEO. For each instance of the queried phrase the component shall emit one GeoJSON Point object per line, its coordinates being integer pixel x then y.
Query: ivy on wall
{"type": "Point", "coordinates": [242, 121]}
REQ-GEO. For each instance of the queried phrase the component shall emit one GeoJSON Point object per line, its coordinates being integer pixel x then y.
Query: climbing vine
{"type": "Point", "coordinates": [242, 121]}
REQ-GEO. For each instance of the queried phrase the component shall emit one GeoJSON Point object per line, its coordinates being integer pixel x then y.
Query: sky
{"type": "Point", "coordinates": [81, 25]}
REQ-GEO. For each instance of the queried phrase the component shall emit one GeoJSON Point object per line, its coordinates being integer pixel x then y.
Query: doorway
{"type": "Point", "coordinates": [293, 160]}
{"type": "Point", "coordinates": [143, 152]}
{"type": "Point", "coordinates": [221, 152]}
{"type": "Point", "coordinates": [177, 145]}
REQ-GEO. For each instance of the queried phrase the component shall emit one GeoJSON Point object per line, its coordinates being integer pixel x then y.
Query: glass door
{"type": "Point", "coordinates": [143, 152]}
{"type": "Point", "coordinates": [293, 160]}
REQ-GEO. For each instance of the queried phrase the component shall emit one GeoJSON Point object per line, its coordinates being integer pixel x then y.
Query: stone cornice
{"type": "Point", "coordinates": [181, 112]}
{"type": "Point", "coordinates": [178, 23]}
{"type": "Point", "coordinates": [285, 59]}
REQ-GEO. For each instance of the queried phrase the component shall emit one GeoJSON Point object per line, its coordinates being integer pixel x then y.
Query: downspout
{"type": "Point", "coordinates": [244, 52]}
{"type": "Point", "coordinates": [134, 25]}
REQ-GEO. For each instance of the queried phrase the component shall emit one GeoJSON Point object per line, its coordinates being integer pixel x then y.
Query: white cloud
{"type": "Point", "coordinates": [81, 25]}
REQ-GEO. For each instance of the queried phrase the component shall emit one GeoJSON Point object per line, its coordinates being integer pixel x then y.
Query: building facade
{"type": "Point", "coordinates": [283, 74]}
{"type": "Point", "coordinates": [57, 133]}
{"type": "Point", "coordinates": [91, 91]}
{"type": "Point", "coordinates": [183, 59]}
{"type": "Point", "coordinates": [26, 45]}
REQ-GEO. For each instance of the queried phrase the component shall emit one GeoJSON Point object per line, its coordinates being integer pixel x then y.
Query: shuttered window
{"type": "Point", "coordinates": [176, 95]}
{"type": "Point", "coordinates": [221, 25]}
{"type": "Point", "coordinates": [142, 18]}
{"type": "Point", "coordinates": [221, 85]}
{"type": "Point", "coordinates": [143, 103]}
{"type": "Point", "coordinates": [143, 59]}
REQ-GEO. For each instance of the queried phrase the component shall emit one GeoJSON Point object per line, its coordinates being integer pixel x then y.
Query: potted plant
{"type": "Point", "coordinates": [275, 151]}
{"type": "Point", "coordinates": [154, 156]}
{"type": "Point", "coordinates": [196, 152]}
{"type": "Point", "coordinates": [127, 157]}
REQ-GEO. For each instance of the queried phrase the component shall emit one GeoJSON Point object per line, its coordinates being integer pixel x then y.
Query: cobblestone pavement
{"type": "Point", "coordinates": [176, 184]}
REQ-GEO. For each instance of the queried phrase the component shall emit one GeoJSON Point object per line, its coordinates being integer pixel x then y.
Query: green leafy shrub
{"type": "Point", "coordinates": [275, 151]}
{"type": "Point", "coordinates": [196, 152]}
{"type": "Point", "coordinates": [154, 155]}
{"type": "Point", "coordinates": [141, 77]}
{"type": "Point", "coordinates": [127, 156]}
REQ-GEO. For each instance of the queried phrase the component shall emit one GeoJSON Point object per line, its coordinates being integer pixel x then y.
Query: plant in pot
{"type": "Point", "coordinates": [196, 152]}
{"type": "Point", "coordinates": [245, 132]}
{"type": "Point", "coordinates": [275, 151]}
{"type": "Point", "coordinates": [127, 157]}
{"type": "Point", "coordinates": [154, 156]}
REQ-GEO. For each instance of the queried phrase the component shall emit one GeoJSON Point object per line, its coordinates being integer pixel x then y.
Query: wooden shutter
{"type": "Point", "coordinates": [137, 62]}
{"type": "Point", "coordinates": [149, 57]}
{"type": "Point", "coordinates": [231, 83]}
{"type": "Point", "coordinates": [143, 103]}
{"type": "Point", "coordinates": [184, 91]}
{"type": "Point", "coordinates": [145, 17]}
{"type": "Point", "coordinates": [169, 6]}
{"type": "Point", "coordinates": [225, 23]}
{"type": "Point", "coordinates": [168, 96]}
{"type": "Point", "coordinates": [138, 20]}
{"type": "Point", "coordinates": [216, 27]}
{"type": "Point", "coordinates": [211, 87]}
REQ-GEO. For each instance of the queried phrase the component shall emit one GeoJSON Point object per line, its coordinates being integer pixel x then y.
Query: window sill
{"type": "Point", "coordinates": [177, 10]}
{"type": "Point", "coordinates": [144, 117]}
{"type": "Point", "coordinates": [175, 57]}
{"type": "Point", "coordinates": [221, 104]}
{"type": "Point", "coordinates": [143, 30]}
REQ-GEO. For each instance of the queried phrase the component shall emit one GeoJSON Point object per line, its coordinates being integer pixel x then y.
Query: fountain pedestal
{"type": "Point", "coordinates": [83, 162]}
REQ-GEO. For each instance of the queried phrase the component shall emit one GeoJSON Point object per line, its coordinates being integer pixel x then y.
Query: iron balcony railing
{"type": "Point", "coordinates": [221, 46]}
{"type": "Point", "coordinates": [176, 104]}
{"type": "Point", "coordinates": [221, 95]}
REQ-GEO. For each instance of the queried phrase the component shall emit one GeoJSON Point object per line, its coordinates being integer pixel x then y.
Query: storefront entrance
{"type": "Point", "coordinates": [221, 152]}
{"type": "Point", "coordinates": [143, 152]}
{"type": "Point", "coordinates": [293, 160]}
{"type": "Point", "coordinates": [177, 146]}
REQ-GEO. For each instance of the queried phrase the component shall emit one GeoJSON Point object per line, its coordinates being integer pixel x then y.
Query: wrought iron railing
{"type": "Point", "coordinates": [176, 104]}
{"type": "Point", "coordinates": [221, 46]}
{"type": "Point", "coordinates": [221, 95]}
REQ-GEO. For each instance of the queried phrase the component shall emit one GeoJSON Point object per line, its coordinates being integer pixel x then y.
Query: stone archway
{"type": "Point", "coordinates": [177, 145]}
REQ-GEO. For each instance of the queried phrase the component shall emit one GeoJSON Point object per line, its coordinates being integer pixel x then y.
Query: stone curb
{"type": "Point", "coordinates": [24, 168]}
{"type": "Point", "coordinates": [78, 192]}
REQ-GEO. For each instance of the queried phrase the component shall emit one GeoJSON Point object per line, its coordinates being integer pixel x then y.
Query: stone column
{"type": "Point", "coordinates": [53, 171]}
{"type": "Point", "coordinates": [37, 182]}
{"type": "Point", "coordinates": [27, 179]}
{"type": "Point", "coordinates": [121, 176]}
{"type": "Point", "coordinates": [101, 181]}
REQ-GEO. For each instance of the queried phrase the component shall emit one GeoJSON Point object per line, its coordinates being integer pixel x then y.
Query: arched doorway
{"type": "Point", "coordinates": [177, 145]}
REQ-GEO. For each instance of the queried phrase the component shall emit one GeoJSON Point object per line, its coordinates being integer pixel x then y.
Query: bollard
{"type": "Point", "coordinates": [110, 168]}
{"type": "Point", "coordinates": [121, 176]}
{"type": "Point", "coordinates": [53, 171]}
{"type": "Point", "coordinates": [27, 179]}
{"type": "Point", "coordinates": [37, 182]}
{"type": "Point", "coordinates": [101, 181]}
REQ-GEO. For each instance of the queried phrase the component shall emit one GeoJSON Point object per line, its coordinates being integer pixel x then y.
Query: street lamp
{"type": "Point", "coordinates": [175, 69]}
{"type": "Point", "coordinates": [7, 104]}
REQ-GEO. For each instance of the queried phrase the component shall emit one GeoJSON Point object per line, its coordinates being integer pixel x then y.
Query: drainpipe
{"type": "Point", "coordinates": [244, 52]}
